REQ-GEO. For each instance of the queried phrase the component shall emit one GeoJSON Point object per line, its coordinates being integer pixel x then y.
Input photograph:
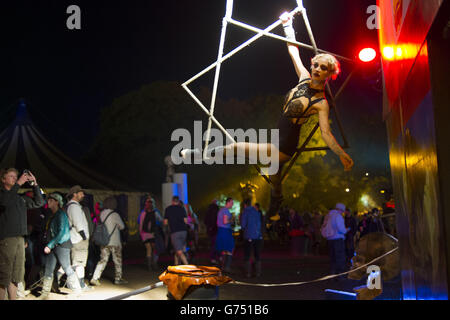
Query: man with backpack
{"type": "Point", "coordinates": [334, 230]}
{"type": "Point", "coordinates": [79, 232]}
{"type": "Point", "coordinates": [113, 223]}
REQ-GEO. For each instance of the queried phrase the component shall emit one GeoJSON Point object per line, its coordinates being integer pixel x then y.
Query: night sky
{"type": "Point", "coordinates": [68, 76]}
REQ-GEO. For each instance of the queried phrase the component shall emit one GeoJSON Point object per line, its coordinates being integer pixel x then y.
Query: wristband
{"type": "Point", "coordinates": [287, 24]}
{"type": "Point", "coordinates": [289, 31]}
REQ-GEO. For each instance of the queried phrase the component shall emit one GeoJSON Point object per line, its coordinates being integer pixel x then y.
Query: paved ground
{"type": "Point", "coordinates": [278, 267]}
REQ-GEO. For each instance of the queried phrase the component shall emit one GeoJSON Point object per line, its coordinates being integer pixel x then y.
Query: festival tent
{"type": "Point", "coordinates": [22, 146]}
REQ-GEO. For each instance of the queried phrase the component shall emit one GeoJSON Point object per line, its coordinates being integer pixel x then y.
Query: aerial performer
{"type": "Point", "coordinates": [305, 99]}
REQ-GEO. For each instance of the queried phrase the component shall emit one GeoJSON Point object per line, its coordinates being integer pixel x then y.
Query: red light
{"type": "Point", "coordinates": [367, 54]}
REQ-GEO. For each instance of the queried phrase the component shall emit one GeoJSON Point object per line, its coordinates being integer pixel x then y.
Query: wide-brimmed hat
{"type": "Point", "coordinates": [73, 190]}
{"type": "Point", "coordinates": [340, 206]}
{"type": "Point", "coordinates": [57, 197]}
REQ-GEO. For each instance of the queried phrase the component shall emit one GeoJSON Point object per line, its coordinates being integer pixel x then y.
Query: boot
{"type": "Point", "coordinates": [46, 287]}
{"type": "Point", "coordinates": [55, 286]}
{"type": "Point", "coordinates": [59, 276]}
{"type": "Point", "coordinates": [258, 268]}
{"type": "Point", "coordinates": [73, 283]}
{"type": "Point", "coordinates": [21, 292]}
{"type": "Point", "coordinates": [84, 286]}
{"type": "Point", "coordinates": [248, 269]}
{"type": "Point", "coordinates": [227, 263]}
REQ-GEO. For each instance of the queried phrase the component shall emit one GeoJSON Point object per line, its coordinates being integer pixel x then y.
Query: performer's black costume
{"type": "Point", "coordinates": [294, 108]}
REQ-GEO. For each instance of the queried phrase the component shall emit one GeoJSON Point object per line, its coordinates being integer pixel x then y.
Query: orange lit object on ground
{"type": "Point", "coordinates": [178, 279]}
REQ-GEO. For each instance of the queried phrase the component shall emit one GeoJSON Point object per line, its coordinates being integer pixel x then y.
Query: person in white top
{"type": "Point", "coordinates": [336, 243]}
{"type": "Point", "coordinates": [114, 224]}
{"type": "Point", "coordinates": [79, 232]}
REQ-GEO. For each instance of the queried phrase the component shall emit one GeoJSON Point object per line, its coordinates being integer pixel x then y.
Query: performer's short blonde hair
{"type": "Point", "coordinates": [333, 64]}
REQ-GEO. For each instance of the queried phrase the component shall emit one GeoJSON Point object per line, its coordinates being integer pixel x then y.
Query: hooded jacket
{"type": "Point", "coordinates": [59, 229]}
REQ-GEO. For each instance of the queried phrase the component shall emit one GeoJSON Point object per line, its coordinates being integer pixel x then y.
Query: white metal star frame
{"type": "Point", "coordinates": [221, 58]}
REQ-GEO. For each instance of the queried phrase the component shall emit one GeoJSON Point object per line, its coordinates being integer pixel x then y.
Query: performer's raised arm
{"type": "Point", "coordinates": [293, 50]}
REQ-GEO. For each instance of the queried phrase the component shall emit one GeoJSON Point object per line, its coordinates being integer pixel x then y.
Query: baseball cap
{"type": "Point", "coordinates": [57, 197]}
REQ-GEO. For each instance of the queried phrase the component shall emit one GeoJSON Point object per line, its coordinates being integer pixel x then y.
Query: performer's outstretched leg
{"type": "Point", "coordinates": [242, 150]}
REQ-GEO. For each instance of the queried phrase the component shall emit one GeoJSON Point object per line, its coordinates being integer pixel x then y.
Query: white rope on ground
{"type": "Point", "coordinates": [316, 280]}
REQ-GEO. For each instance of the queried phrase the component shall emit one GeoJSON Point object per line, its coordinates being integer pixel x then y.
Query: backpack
{"type": "Point", "coordinates": [327, 231]}
{"type": "Point", "coordinates": [101, 236]}
{"type": "Point", "coordinates": [149, 218]}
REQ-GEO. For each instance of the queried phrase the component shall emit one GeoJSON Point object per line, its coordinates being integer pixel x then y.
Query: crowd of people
{"type": "Point", "coordinates": [220, 224]}
{"type": "Point", "coordinates": [303, 232]}
{"type": "Point", "coordinates": [56, 245]}
{"type": "Point", "coordinates": [49, 238]}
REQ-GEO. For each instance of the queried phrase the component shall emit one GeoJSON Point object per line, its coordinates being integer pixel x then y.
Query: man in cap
{"type": "Point", "coordinates": [13, 228]}
{"type": "Point", "coordinates": [79, 232]}
{"type": "Point", "coordinates": [334, 231]}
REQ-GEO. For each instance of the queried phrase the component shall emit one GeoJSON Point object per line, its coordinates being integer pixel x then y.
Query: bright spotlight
{"type": "Point", "coordinates": [367, 54]}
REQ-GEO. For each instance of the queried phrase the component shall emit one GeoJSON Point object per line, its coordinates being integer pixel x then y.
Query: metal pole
{"type": "Point", "coordinates": [239, 48]}
{"type": "Point", "coordinates": [299, 151]}
{"type": "Point", "coordinates": [275, 36]}
{"type": "Point", "coordinates": [263, 175]}
{"type": "Point", "coordinates": [308, 28]}
{"type": "Point", "coordinates": [344, 84]}
{"type": "Point", "coordinates": [208, 113]}
{"type": "Point", "coordinates": [341, 129]}
{"type": "Point", "coordinates": [228, 13]}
